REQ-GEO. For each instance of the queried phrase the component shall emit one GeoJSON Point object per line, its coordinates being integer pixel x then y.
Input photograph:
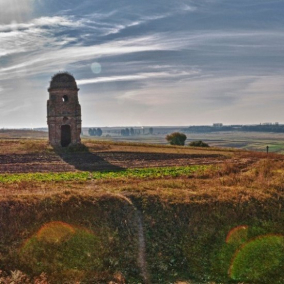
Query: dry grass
{"type": "Point", "coordinates": [22, 134]}
{"type": "Point", "coordinates": [230, 181]}
{"type": "Point", "coordinates": [98, 145]}
{"type": "Point", "coordinates": [22, 146]}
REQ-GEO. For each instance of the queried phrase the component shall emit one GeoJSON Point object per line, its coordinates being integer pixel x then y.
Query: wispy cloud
{"type": "Point", "coordinates": [48, 59]}
{"type": "Point", "coordinates": [5, 111]}
{"type": "Point", "coordinates": [51, 53]}
{"type": "Point", "coordinates": [138, 76]}
{"type": "Point", "coordinates": [142, 19]}
{"type": "Point", "coordinates": [41, 22]}
{"type": "Point", "coordinates": [34, 35]}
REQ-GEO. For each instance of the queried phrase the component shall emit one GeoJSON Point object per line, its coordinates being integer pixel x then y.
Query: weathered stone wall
{"type": "Point", "coordinates": [63, 108]}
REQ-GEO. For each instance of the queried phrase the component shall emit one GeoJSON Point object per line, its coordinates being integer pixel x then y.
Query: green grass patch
{"type": "Point", "coordinates": [150, 172]}
{"type": "Point", "coordinates": [45, 177]}
{"type": "Point", "coordinates": [84, 176]}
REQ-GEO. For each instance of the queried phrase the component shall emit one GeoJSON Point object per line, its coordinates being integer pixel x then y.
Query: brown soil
{"type": "Point", "coordinates": [87, 161]}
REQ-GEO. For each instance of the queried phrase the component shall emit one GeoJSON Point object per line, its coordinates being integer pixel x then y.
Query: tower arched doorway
{"type": "Point", "coordinates": [65, 135]}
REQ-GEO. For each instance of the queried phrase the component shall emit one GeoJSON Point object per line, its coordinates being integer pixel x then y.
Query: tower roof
{"type": "Point", "coordinates": [63, 80]}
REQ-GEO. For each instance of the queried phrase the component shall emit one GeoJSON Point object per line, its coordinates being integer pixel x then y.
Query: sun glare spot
{"type": "Point", "coordinates": [96, 68]}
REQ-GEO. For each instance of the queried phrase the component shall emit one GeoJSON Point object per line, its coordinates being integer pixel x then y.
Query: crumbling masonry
{"type": "Point", "coordinates": [63, 111]}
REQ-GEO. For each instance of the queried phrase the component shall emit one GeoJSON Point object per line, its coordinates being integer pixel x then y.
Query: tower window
{"type": "Point", "coordinates": [65, 98]}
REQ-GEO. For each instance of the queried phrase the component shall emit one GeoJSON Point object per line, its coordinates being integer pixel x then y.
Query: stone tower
{"type": "Point", "coordinates": [63, 111]}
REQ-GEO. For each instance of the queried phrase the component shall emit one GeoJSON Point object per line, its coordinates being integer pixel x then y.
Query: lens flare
{"type": "Point", "coordinates": [55, 232]}
{"type": "Point", "coordinates": [61, 247]}
{"type": "Point", "coordinates": [237, 235]}
{"type": "Point", "coordinates": [96, 68]}
{"type": "Point", "coordinates": [258, 259]}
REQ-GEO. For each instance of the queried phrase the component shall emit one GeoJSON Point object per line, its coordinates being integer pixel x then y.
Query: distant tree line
{"type": "Point", "coordinates": [264, 128]}
{"type": "Point", "coordinates": [133, 132]}
{"type": "Point", "coordinates": [248, 128]}
{"type": "Point", "coordinates": [95, 132]}
{"type": "Point", "coordinates": [127, 132]}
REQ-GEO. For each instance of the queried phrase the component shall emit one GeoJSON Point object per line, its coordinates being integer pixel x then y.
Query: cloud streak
{"type": "Point", "coordinates": [138, 76]}
{"type": "Point", "coordinates": [52, 54]}
{"type": "Point", "coordinates": [35, 63]}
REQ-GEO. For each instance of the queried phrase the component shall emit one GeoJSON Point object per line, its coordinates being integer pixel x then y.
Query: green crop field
{"type": "Point", "coordinates": [83, 176]}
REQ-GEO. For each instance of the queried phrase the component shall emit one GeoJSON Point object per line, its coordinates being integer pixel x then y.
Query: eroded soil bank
{"type": "Point", "coordinates": [101, 234]}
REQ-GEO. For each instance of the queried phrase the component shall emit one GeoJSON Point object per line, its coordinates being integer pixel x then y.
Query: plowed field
{"type": "Point", "coordinates": [62, 162]}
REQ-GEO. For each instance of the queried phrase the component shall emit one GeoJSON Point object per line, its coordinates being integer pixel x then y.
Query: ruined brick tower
{"type": "Point", "coordinates": [63, 111]}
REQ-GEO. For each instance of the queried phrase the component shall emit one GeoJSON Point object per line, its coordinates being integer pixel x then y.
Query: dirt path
{"type": "Point", "coordinates": [142, 249]}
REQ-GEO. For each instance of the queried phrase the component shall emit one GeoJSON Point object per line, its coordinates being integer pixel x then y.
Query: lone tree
{"type": "Point", "coordinates": [176, 138]}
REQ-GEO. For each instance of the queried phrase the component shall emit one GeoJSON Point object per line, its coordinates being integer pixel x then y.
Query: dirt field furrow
{"type": "Point", "coordinates": [87, 161]}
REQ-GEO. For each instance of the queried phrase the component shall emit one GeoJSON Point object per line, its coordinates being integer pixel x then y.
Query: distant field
{"type": "Point", "coordinates": [255, 141]}
{"type": "Point", "coordinates": [243, 140]}
{"type": "Point", "coordinates": [22, 134]}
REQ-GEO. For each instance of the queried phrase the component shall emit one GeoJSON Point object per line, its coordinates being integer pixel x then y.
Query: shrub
{"type": "Point", "coordinates": [176, 138]}
{"type": "Point", "coordinates": [198, 144]}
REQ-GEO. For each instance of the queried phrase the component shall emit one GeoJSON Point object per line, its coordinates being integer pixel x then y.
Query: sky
{"type": "Point", "coordinates": [144, 63]}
